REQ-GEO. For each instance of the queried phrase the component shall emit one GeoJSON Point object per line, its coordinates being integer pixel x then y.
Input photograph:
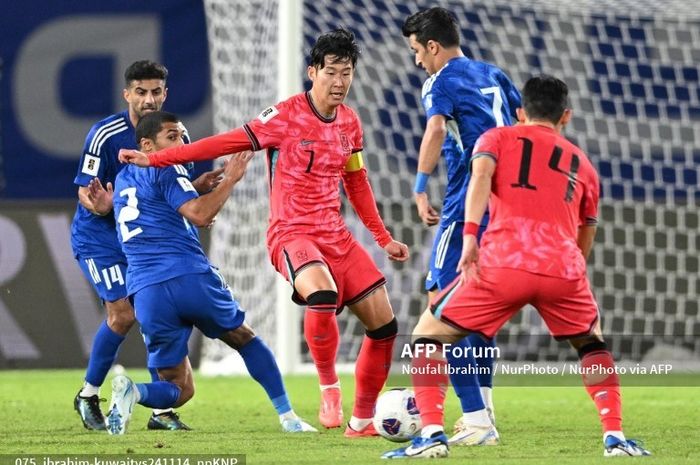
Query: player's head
{"type": "Point", "coordinates": [145, 89]}
{"type": "Point", "coordinates": [331, 67]}
{"type": "Point", "coordinates": [159, 130]}
{"type": "Point", "coordinates": [429, 33]}
{"type": "Point", "coordinates": [545, 98]}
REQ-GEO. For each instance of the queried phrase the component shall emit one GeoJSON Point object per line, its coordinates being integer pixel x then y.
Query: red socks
{"type": "Point", "coordinates": [371, 372]}
{"type": "Point", "coordinates": [321, 333]}
{"type": "Point", "coordinates": [603, 385]}
{"type": "Point", "coordinates": [430, 380]}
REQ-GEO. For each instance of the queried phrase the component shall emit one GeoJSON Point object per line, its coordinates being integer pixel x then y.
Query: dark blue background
{"type": "Point", "coordinates": [27, 171]}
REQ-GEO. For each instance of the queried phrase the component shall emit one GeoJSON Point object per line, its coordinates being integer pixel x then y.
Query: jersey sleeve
{"type": "Point", "coordinates": [512, 94]}
{"type": "Point", "coordinates": [268, 129]}
{"type": "Point", "coordinates": [488, 145]}
{"type": "Point", "coordinates": [208, 148]}
{"type": "Point", "coordinates": [174, 183]}
{"type": "Point", "coordinates": [94, 162]}
{"type": "Point", "coordinates": [588, 213]}
{"type": "Point", "coordinates": [436, 100]}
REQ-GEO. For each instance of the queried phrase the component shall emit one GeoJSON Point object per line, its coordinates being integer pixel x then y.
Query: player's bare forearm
{"type": "Point", "coordinates": [479, 189]}
{"type": "Point", "coordinates": [431, 144]}
{"type": "Point", "coordinates": [586, 236]}
{"type": "Point", "coordinates": [202, 210]}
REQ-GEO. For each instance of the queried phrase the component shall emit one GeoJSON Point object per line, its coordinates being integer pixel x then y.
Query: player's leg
{"type": "Point", "coordinates": [262, 366]}
{"type": "Point", "coordinates": [430, 379]}
{"type": "Point", "coordinates": [374, 360]}
{"type": "Point", "coordinates": [459, 309]}
{"type": "Point", "coordinates": [107, 277]}
{"type": "Point", "coordinates": [164, 419]}
{"type": "Point", "coordinates": [570, 312]}
{"type": "Point", "coordinates": [302, 264]}
{"type": "Point", "coordinates": [467, 382]}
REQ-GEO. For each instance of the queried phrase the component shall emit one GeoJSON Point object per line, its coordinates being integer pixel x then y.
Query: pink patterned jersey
{"type": "Point", "coordinates": [543, 189]}
{"type": "Point", "coordinates": [306, 155]}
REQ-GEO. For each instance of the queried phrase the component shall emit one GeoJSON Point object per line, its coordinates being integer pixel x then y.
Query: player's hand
{"type": "Point", "coordinates": [208, 181]}
{"type": "Point", "coordinates": [426, 211]}
{"type": "Point", "coordinates": [99, 197]}
{"type": "Point", "coordinates": [235, 166]}
{"type": "Point", "coordinates": [134, 157]}
{"type": "Point", "coordinates": [397, 251]}
{"type": "Point", "coordinates": [468, 266]}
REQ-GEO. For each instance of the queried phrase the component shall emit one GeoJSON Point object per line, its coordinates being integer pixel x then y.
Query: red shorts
{"type": "Point", "coordinates": [353, 270]}
{"type": "Point", "coordinates": [567, 307]}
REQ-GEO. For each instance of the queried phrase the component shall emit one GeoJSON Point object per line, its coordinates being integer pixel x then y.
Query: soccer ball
{"type": "Point", "coordinates": [396, 416]}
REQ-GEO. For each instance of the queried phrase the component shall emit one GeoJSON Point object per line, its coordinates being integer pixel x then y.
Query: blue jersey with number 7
{"type": "Point", "coordinates": [474, 97]}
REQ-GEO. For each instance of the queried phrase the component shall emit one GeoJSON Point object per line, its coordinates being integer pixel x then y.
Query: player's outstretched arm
{"type": "Point", "coordinates": [208, 148]}
{"type": "Point", "coordinates": [202, 210]}
{"type": "Point", "coordinates": [134, 157]}
{"type": "Point", "coordinates": [428, 157]}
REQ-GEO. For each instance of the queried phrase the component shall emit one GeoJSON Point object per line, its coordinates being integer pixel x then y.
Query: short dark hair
{"type": "Point", "coordinates": [151, 124]}
{"type": "Point", "coordinates": [545, 97]}
{"type": "Point", "coordinates": [144, 69]}
{"type": "Point", "coordinates": [436, 24]}
{"type": "Point", "coordinates": [339, 43]}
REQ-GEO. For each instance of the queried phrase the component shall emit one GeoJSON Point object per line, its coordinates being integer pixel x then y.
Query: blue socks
{"type": "Point", "coordinates": [262, 366]}
{"type": "Point", "coordinates": [483, 362]}
{"type": "Point", "coordinates": [466, 384]}
{"type": "Point", "coordinates": [158, 394]}
{"type": "Point", "coordinates": [105, 347]}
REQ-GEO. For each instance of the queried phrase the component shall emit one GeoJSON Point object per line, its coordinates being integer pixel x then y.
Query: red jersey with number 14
{"type": "Point", "coordinates": [543, 189]}
{"type": "Point", "coordinates": [307, 154]}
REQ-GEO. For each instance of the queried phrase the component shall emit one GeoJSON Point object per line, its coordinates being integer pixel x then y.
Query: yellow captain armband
{"type": "Point", "coordinates": [355, 163]}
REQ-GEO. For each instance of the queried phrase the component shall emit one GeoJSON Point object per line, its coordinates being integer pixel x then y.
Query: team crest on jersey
{"type": "Point", "coordinates": [301, 255]}
{"type": "Point", "coordinates": [267, 114]}
{"type": "Point", "coordinates": [345, 143]}
{"type": "Point", "coordinates": [91, 165]}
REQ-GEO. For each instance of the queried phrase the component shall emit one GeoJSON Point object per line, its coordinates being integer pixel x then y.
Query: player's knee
{"type": "Point", "coordinates": [120, 317]}
{"type": "Point", "coordinates": [238, 337]}
{"type": "Point", "coordinates": [585, 348]}
{"type": "Point", "coordinates": [388, 330]}
{"type": "Point", "coordinates": [322, 298]}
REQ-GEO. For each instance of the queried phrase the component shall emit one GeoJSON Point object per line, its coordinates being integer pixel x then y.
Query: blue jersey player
{"type": "Point", "coordinates": [172, 283]}
{"type": "Point", "coordinates": [94, 239]}
{"type": "Point", "coordinates": [462, 98]}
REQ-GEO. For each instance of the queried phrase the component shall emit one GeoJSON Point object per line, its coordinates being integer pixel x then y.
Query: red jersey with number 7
{"type": "Point", "coordinates": [543, 189]}
{"type": "Point", "coordinates": [308, 155]}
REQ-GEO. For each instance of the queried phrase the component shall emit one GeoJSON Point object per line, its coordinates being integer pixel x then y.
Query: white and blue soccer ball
{"type": "Point", "coordinates": [396, 416]}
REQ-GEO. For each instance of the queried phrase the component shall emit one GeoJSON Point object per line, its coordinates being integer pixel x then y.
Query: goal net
{"type": "Point", "coordinates": [633, 73]}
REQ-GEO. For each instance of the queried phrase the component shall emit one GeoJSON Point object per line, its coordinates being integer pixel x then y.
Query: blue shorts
{"type": "Point", "coordinates": [167, 312]}
{"type": "Point", "coordinates": [107, 275]}
{"type": "Point", "coordinates": [447, 249]}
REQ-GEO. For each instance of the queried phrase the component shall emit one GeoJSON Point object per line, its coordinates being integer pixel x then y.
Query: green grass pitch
{"type": "Point", "coordinates": [231, 415]}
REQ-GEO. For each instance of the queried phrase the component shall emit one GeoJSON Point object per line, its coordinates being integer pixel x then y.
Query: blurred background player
{"type": "Point", "coordinates": [172, 283]}
{"type": "Point", "coordinates": [94, 239]}
{"type": "Point", "coordinates": [544, 211]}
{"type": "Point", "coordinates": [462, 98]}
{"type": "Point", "coordinates": [313, 142]}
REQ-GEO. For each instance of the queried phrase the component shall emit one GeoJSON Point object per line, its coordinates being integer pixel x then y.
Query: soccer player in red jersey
{"type": "Point", "coordinates": [313, 143]}
{"type": "Point", "coordinates": [542, 193]}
